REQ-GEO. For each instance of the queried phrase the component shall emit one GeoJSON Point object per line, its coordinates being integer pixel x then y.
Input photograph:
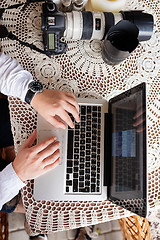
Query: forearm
{"type": "Point", "coordinates": [10, 184]}
{"type": "Point", "coordinates": [14, 79]}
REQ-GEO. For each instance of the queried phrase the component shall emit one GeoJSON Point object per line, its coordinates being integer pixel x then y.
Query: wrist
{"type": "Point", "coordinates": [18, 172]}
{"type": "Point", "coordinates": [35, 100]}
{"type": "Point", "coordinates": [33, 88]}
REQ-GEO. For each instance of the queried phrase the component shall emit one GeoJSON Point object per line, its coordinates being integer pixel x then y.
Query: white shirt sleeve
{"type": "Point", "coordinates": [14, 79]}
{"type": "Point", "coordinates": [10, 184]}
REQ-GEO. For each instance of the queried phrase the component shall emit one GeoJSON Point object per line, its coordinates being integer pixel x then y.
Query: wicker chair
{"type": "Point", "coordinates": [3, 219]}
{"type": "Point", "coordinates": [3, 226]}
{"type": "Point", "coordinates": [135, 228]}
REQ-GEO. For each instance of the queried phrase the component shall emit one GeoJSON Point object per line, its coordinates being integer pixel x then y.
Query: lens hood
{"type": "Point", "coordinates": [120, 41]}
{"type": "Point", "coordinates": [143, 21]}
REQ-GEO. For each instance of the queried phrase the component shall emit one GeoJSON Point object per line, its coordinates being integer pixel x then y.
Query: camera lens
{"type": "Point", "coordinates": [111, 54]}
{"type": "Point", "coordinates": [88, 25]}
{"type": "Point", "coordinates": [66, 3]}
{"type": "Point", "coordinates": [79, 4]}
{"type": "Point", "coordinates": [120, 41]}
{"type": "Point", "coordinates": [51, 6]}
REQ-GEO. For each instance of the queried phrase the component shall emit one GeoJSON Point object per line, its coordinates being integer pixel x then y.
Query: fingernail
{"type": "Point", "coordinates": [78, 120]}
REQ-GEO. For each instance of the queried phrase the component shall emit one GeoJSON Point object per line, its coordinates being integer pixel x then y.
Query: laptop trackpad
{"type": "Point", "coordinates": [46, 130]}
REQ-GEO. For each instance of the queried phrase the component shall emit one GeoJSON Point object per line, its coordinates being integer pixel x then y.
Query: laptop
{"type": "Point", "coordinates": [104, 156]}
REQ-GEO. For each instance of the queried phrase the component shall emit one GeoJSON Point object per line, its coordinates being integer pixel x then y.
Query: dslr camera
{"type": "Point", "coordinates": [121, 31]}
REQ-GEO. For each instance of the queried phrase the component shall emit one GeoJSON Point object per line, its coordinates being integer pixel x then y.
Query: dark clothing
{"type": "Point", "coordinates": [6, 139]}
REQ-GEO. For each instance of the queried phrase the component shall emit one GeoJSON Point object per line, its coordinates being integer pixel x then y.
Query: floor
{"type": "Point", "coordinates": [108, 231]}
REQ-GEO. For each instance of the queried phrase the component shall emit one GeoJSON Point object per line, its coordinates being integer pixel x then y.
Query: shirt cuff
{"type": "Point", "coordinates": [10, 184]}
{"type": "Point", "coordinates": [13, 179]}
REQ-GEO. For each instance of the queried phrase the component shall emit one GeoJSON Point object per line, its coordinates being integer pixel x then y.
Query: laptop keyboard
{"type": "Point", "coordinates": [83, 154]}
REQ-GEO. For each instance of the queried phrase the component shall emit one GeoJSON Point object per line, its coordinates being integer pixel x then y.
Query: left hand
{"type": "Point", "coordinates": [52, 103]}
{"type": "Point", "coordinates": [33, 161]}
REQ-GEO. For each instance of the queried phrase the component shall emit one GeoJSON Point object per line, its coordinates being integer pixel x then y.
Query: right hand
{"type": "Point", "coordinates": [52, 103]}
{"type": "Point", "coordinates": [33, 161]}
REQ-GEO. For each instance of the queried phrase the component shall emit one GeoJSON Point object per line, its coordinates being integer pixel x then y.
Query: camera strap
{"type": "Point", "coordinates": [4, 31]}
{"type": "Point", "coordinates": [26, 4]}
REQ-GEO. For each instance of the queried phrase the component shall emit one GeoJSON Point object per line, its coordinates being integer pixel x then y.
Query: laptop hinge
{"type": "Point", "coordinates": [107, 148]}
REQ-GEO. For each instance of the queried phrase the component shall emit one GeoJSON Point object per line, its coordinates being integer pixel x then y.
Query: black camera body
{"type": "Point", "coordinates": [53, 27]}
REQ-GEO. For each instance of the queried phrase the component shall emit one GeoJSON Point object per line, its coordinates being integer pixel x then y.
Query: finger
{"type": "Point", "coordinates": [48, 151]}
{"type": "Point", "coordinates": [140, 129]}
{"type": "Point", "coordinates": [70, 94]}
{"type": "Point", "coordinates": [43, 145]}
{"type": "Point", "coordinates": [139, 121]}
{"type": "Point", "coordinates": [51, 159]}
{"type": "Point", "coordinates": [52, 166]}
{"type": "Point", "coordinates": [72, 100]}
{"type": "Point", "coordinates": [139, 113]}
{"type": "Point", "coordinates": [30, 140]}
{"type": "Point", "coordinates": [71, 109]}
{"type": "Point", "coordinates": [56, 123]}
{"type": "Point", "coordinates": [65, 117]}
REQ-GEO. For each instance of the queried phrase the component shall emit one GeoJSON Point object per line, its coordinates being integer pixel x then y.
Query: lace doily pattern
{"type": "Point", "coordinates": [47, 216]}
{"type": "Point", "coordinates": [82, 71]}
{"type": "Point", "coordinates": [154, 223]}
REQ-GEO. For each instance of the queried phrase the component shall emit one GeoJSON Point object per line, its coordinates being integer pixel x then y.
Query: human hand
{"type": "Point", "coordinates": [33, 161]}
{"type": "Point", "coordinates": [53, 103]}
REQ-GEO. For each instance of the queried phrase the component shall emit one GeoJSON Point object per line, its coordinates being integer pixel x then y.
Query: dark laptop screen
{"type": "Point", "coordinates": [128, 165]}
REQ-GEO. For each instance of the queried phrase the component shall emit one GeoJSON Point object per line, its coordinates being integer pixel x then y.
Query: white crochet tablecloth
{"type": "Point", "coordinates": [82, 71]}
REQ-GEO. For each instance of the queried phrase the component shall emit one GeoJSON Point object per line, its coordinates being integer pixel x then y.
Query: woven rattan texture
{"type": "Point", "coordinates": [135, 228]}
{"type": "Point", "coordinates": [3, 226]}
{"type": "Point", "coordinates": [3, 216]}
{"type": "Point", "coordinates": [82, 71]}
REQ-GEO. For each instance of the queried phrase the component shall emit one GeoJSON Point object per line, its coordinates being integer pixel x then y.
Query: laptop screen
{"type": "Point", "coordinates": [128, 165]}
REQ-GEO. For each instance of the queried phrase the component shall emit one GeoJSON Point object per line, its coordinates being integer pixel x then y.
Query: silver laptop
{"type": "Point", "coordinates": [104, 156]}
